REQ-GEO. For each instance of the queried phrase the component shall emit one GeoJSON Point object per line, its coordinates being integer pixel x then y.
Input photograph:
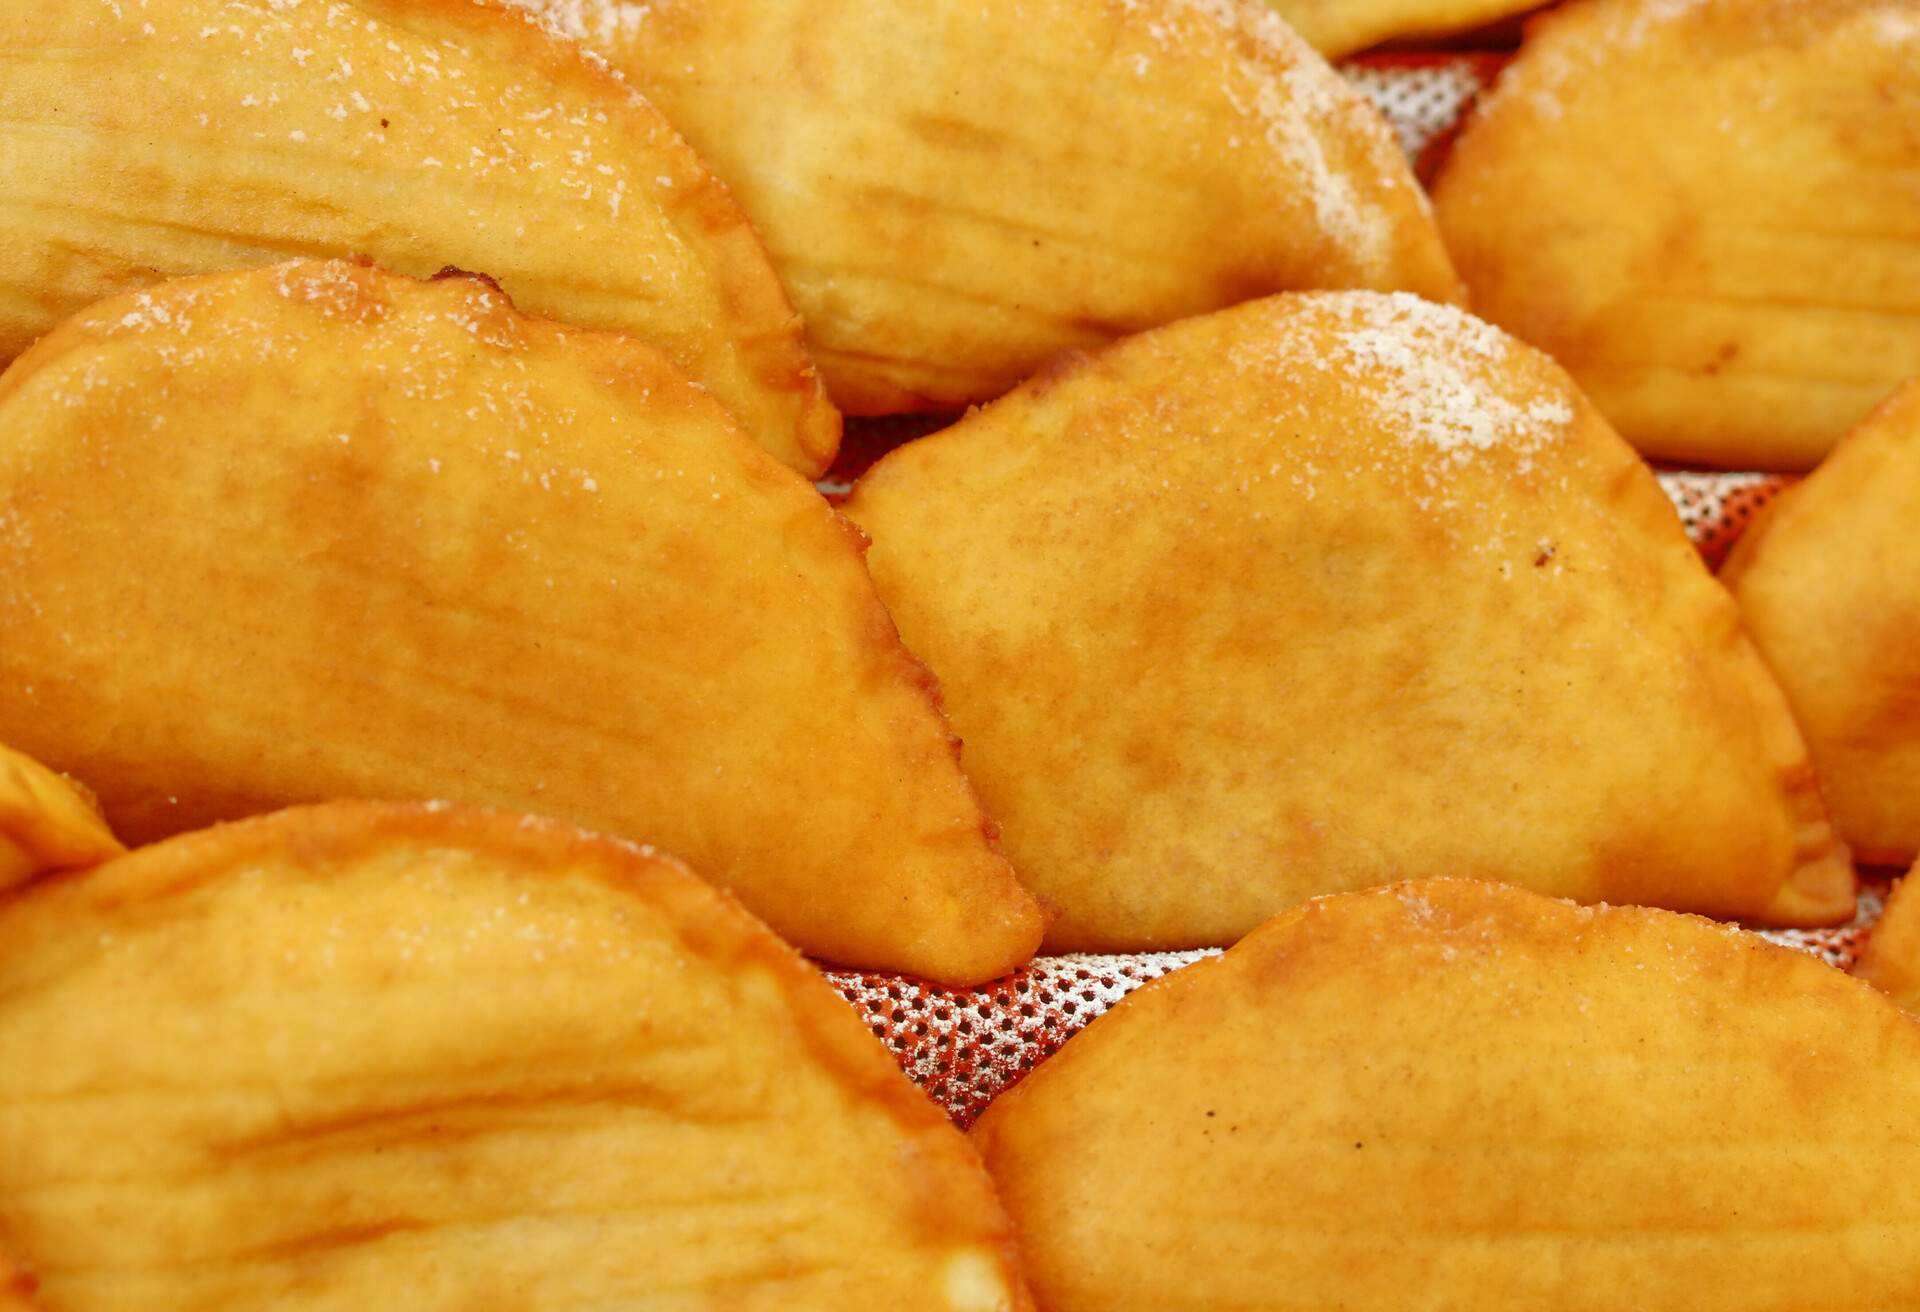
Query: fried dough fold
{"type": "Point", "coordinates": [1891, 959]}
{"type": "Point", "coordinates": [954, 191]}
{"type": "Point", "coordinates": [1340, 27]}
{"type": "Point", "coordinates": [46, 823]}
{"type": "Point", "coordinates": [318, 530]}
{"type": "Point", "coordinates": [1829, 582]}
{"type": "Point", "coordinates": [1709, 212]}
{"type": "Point", "coordinates": [371, 1056]}
{"type": "Point", "coordinates": [1331, 590]}
{"type": "Point", "coordinates": [143, 139]}
{"type": "Point", "coordinates": [1460, 1095]}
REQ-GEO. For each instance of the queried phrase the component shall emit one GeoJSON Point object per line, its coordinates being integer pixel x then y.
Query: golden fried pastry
{"type": "Point", "coordinates": [317, 530]}
{"type": "Point", "coordinates": [1457, 1095]}
{"type": "Point", "coordinates": [147, 138]}
{"type": "Point", "coordinates": [46, 823]}
{"type": "Point", "coordinates": [1340, 27]}
{"type": "Point", "coordinates": [1829, 582]}
{"type": "Point", "coordinates": [1332, 590]}
{"type": "Point", "coordinates": [1891, 959]}
{"type": "Point", "coordinates": [313, 1060]}
{"type": "Point", "coordinates": [954, 191]}
{"type": "Point", "coordinates": [1706, 210]}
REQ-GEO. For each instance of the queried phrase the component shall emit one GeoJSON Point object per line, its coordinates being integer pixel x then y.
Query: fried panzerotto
{"type": "Point", "coordinates": [311, 1060]}
{"type": "Point", "coordinates": [317, 530]}
{"type": "Point", "coordinates": [1709, 211]}
{"type": "Point", "coordinates": [955, 191]}
{"type": "Point", "coordinates": [158, 137]}
{"type": "Point", "coordinates": [1458, 1095]}
{"type": "Point", "coordinates": [1331, 590]}
{"type": "Point", "coordinates": [46, 823]}
{"type": "Point", "coordinates": [1829, 582]}
{"type": "Point", "coordinates": [1891, 959]}
{"type": "Point", "coordinates": [1340, 27]}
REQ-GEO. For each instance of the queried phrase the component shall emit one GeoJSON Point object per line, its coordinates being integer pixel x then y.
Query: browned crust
{"type": "Point", "coordinates": [1818, 886]}
{"type": "Point", "coordinates": [1002, 911]}
{"type": "Point", "coordinates": [709, 923]}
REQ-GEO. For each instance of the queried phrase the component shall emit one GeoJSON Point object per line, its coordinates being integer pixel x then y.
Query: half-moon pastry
{"type": "Point", "coordinates": [1709, 212]}
{"type": "Point", "coordinates": [317, 530]}
{"type": "Point", "coordinates": [149, 138]}
{"type": "Point", "coordinates": [1331, 590]}
{"type": "Point", "coordinates": [369, 1056]}
{"type": "Point", "coordinates": [1829, 582]}
{"type": "Point", "coordinates": [1340, 27]}
{"type": "Point", "coordinates": [954, 191]}
{"type": "Point", "coordinates": [1458, 1095]}
{"type": "Point", "coordinates": [46, 823]}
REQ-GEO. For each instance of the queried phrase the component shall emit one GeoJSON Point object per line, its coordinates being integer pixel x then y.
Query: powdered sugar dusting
{"type": "Point", "coordinates": [1897, 24]}
{"type": "Point", "coordinates": [1429, 370]}
{"type": "Point", "coordinates": [1297, 102]}
{"type": "Point", "coordinates": [589, 21]}
{"type": "Point", "coordinates": [1444, 406]}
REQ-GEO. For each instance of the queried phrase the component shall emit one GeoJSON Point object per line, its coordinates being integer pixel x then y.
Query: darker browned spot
{"type": "Point", "coordinates": [1105, 329]}
{"type": "Point", "coordinates": [1727, 353]}
{"type": "Point", "coordinates": [326, 1241]}
{"type": "Point", "coordinates": [466, 1115]}
{"type": "Point", "coordinates": [455, 271]}
{"type": "Point", "coordinates": [956, 133]}
{"type": "Point", "coordinates": [17, 1280]}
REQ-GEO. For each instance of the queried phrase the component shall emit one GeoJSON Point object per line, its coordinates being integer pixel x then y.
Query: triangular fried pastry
{"type": "Point", "coordinates": [1340, 27]}
{"type": "Point", "coordinates": [148, 138]}
{"type": "Point", "coordinates": [1461, 1095]}
{"type": "Point", "coordinates": [1331, 590]}
{"type": "Point", "coordinates": [954, 191]}
{"type": "Point", "coordinates": [371, 1056]}
{"type": "Point", "coordinates": [317, 530]}
{"type": "Point", "coordinates": [1829, 582]}
{"type": "Point", "coordinates": [46, 823]}
{"type": "Point", "coordinates": [1891, 959]}
{"type": "Point", "coordinates": [1706, 210]}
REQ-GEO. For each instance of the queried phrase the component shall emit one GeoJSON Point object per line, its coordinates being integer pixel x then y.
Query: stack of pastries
{"type": "Point", "coordinates": [442, 717]}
